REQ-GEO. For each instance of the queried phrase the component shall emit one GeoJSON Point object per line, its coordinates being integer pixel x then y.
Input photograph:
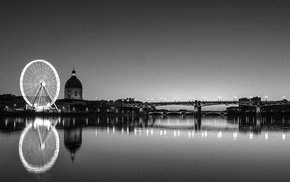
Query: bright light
{"type": "Point", "coordinates": [219, 134]}
{"type": "Point", "coordinates": [235, 98]}
{"type": "Point", "coordinates": [266, 136]}
{"type": "Point", "coordinates": [251, 135]}
{"type": "Point", "coordinates": [235, 135]}
{"type": "Point", "coordinates": [283, 136]}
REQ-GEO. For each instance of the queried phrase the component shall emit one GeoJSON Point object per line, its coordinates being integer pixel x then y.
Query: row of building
{"type": "Point", "coordinates": [73, 102]}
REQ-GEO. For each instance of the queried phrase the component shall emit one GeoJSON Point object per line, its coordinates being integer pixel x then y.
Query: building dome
{"type": "Point", "coordinates": [73, 82]}
{"type": "Point", "coordinates": [73, 87]}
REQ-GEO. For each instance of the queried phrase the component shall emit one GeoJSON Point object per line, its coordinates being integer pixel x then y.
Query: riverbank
{"type": "Point", "coordinates": [61, 114]}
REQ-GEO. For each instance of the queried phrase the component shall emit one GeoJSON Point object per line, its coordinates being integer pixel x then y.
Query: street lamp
{"type": "Point", "coordinates": [266, 98]}
{"type": "Point", "coordinates": [161, 99]}
{"type": "Point", "coordinates": [235, 98]}
{"type": "Point", "coordinates": [164, 99]}
{"type": "Point", "coordinates": [190, 99]}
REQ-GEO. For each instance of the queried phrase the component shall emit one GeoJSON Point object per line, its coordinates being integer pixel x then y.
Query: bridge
{"type": "Point", "coordinates": [191, 103]}
{"type": "Point", "coordinates": [207, 103]}
{"type": "Point", "coordinates": [220, 108]}
{"type": "Point", "coordinates": [171, 112]}
{"type": "Point", "coordinates": [186, 112]}
{"type": "Point", "coordinates": [220, 113]}
{"type": "Point", "coordinates": [200, 107]}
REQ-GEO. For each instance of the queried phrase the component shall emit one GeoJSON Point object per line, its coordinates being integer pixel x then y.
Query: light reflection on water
{"type": "Point", "coordinates": [39, 145]}
{"type": "Point", "coordinates": [155, 148]}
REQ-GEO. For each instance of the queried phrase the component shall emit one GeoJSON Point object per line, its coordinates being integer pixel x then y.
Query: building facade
{"type": "Point", "coordinates": [9, 102]}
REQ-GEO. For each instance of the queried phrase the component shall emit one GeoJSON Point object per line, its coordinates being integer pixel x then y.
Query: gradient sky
{"type": "Point", "coordinates": [152, 49]}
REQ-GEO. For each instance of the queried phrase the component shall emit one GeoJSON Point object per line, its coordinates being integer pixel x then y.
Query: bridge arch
{"type": "Point", "coordinates": [214, 113]}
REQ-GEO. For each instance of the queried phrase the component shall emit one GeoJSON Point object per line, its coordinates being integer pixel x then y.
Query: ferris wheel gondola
{"type": "Point", "coordinates": [40, 84]}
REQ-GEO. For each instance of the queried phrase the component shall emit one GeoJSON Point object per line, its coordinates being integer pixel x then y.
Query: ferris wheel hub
{"type": "Point", "coordinates": [43, 83]}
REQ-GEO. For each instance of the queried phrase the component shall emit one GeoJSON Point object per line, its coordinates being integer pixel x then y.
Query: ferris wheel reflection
{"type": "Point", "coordinates": [39, 145]}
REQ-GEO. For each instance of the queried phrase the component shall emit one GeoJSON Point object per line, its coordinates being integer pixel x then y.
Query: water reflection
{"type": "Point", "coordinates": [72, 136]}
{"type": "Point", "coordinates": [39, 145]}
{"type": "Point", "coordinates": [93, 148]}
{"type": "Point", "coordinates": [161, 125]}
{"type": "Point", "coordinates": [39, 141]}
{"type": "Point", "coordinates": [191, 126]}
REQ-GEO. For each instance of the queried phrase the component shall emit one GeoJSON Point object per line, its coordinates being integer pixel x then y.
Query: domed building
{"type": "Point", "coordinates": [73, 88]}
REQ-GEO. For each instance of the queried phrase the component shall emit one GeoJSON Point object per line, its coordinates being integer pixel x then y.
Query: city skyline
{"type": "Point", "coordinates": [152, 49]}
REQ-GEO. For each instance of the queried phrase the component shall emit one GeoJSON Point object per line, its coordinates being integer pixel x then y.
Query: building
{"type": "Point", "coordinates": [73, 95]}
{"type": "Point", "coordinates": [252, 101]}
{"type": "Point", "coordinates": [73, 88]}
{"type": "Point", "coordinates": [9, 102]}
{"type": "Point", "coordinates": [244, 101]}
{"type": "Point", "coordinates": [256, 101]}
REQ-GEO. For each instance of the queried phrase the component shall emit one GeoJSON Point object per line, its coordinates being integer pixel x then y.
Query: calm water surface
{"type": "Point", "coordinates": [170, 148]}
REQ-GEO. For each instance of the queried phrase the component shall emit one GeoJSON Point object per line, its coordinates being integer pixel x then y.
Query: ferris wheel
{"type": "Point", "coordinates": [39, 145]}
{"type": "Point", "coordinates": [39, 84]}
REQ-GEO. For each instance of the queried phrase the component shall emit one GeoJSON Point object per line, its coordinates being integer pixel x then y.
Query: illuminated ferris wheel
{"type": "Point", "coordinates": [39, 84]}
{"type": "Point", "coordinates": [39, 145]}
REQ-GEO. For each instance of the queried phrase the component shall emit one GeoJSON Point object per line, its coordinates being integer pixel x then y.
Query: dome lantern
{"type": "Point", "coordinates": [73, 73]}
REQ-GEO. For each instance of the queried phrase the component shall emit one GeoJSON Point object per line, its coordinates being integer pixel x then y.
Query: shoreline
{"type": "Point", "coordinates": [129, 114]}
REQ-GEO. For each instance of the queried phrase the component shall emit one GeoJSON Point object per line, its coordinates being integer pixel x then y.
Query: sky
{"type": "Point", "coordinates": [151, 49]}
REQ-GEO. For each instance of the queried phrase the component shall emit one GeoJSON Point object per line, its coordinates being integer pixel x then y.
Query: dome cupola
{"type": "Point", "coordinates": [73, 87]}
{"type": "Point", "coordinates": [73, 82]}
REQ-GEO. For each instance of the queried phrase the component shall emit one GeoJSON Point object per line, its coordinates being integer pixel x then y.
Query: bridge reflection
{"type": "Point", "coordinates": [164, 125]}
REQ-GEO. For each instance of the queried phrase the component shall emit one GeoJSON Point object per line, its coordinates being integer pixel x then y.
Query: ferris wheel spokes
{"type": "Point", "coordinates": [43, 96]}
{"type": "Point", "coordinates": [37, 97]}
{"type": "Point", "coordinates": [42, 140]}
{"type": "Point", "coordinates": [47, 93]}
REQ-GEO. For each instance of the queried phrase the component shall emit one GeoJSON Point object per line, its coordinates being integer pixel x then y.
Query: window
{"type": "Point", "coordinates": [68, 93]}
{"type": "Point", "coordinates": [76, 93]}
